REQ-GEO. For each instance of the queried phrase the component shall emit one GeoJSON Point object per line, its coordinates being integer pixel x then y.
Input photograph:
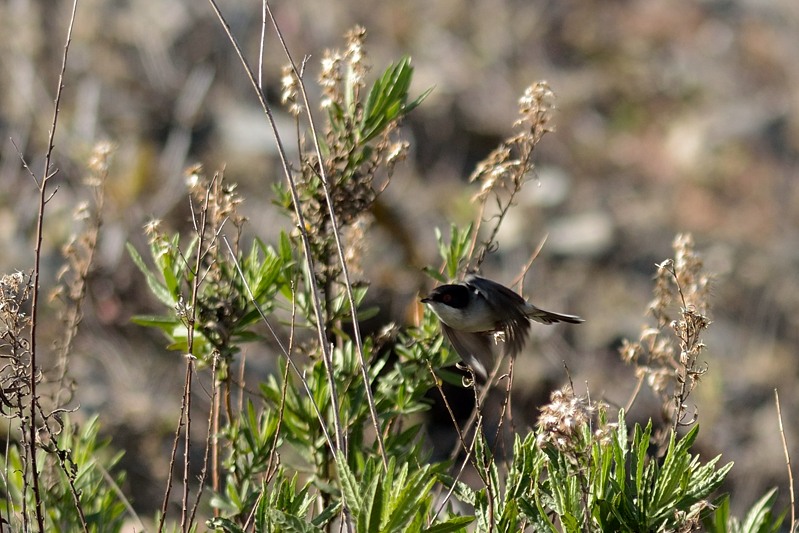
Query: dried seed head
{"type": "Point", "coordinates": [563, 420]}
{"type": "Point", "coordinates": [356, 57]}
{"type": "Point", "coordinates": [290, 90]}
{"type": "Point", "coordinates": [98, 161]}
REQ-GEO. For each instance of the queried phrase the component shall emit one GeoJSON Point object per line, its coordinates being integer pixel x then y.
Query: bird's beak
{"type": "Point", "coordinates": [426, 299]}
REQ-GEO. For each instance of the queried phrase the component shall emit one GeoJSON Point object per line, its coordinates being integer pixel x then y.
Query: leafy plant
{"type": "Point", "coordinates": [79, 492]}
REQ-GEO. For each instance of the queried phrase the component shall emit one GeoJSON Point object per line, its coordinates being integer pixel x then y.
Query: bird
{"type": "Point", "coordinates": [475, 311]}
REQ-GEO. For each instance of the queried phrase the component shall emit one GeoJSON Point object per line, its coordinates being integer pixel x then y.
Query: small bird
{"type": "Point", "coordinates": [474, 311]}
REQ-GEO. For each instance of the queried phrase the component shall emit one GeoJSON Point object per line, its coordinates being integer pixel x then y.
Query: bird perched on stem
{"type": "Point", "coordinates": [477, 310]}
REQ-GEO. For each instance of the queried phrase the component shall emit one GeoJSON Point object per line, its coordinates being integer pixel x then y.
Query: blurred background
{"type": "Point", "coordinates": [671, 117]}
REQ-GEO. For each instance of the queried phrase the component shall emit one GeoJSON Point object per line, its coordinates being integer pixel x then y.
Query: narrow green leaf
{"type": "Point", "coordinates": [156, 287]}
{"type": "Point", "coordinates": [413, 105]}
{"type": "Point", "coordinates": [325, 516]}
{"type": "Point", "coordinates": [348, 484]}
{"type": "Point", "coordinates": [434, 274]}
{"type": "Point", "coordinates": [406, 503]}
{"type": "Point", "coordinates": [719, 520]}
{"type": "Point", "coordinates": [166, 323]}
{"type": "Point", "coordinates": [537, 515]}
{"type": "Point", "coordinates": [371, 508]}
{"type": "Point", "coordinates": [640, 447]}
{"type": "Point", "coordinates": [457, 523]}
{"type": "Point", "coordinates": [284, 247]}
{"type": "Point", "coordinates": [759, 517]}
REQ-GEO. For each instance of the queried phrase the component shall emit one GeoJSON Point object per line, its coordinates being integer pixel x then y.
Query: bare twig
{"type": "Point", "coordinates": [274, 460]}
{"type": "Point", "coordinates": [634, 395]}
{"type": "Point", "coordinates": [447, 406]}
{"type": "Point", "coordinates": [43, 198]}
{"type": "Point", "coordinates": [261, 47]}
{"type": "Point", "coordinates": [173, 454]}
{"type": "Point", "coordinates": [787, 461]}
{"type": "Point", "coordinates": [185, 524]}
{"type": "Point", "coordinates": [185, 410]}
{"type": "Point", "coordinates": [478, 224]}
{"type": "Point", "coordinates": [480, 400]}
{"type": "Point", "coordinates": [481, 464]}
{"type": "Point", "coordinates": [70, 477]}
{"type": "Point", "coordinates": [520, 278]}
{"type": "Point", "coordinates": [506, 409]}
{"type": "Point", "coordinates": [272, 464]}
{"type": "Point", "coordinates": [468, 448]}
{"type": "Point", "coordinates": [210, 438]}
{"type": "Point", "coordinates": [490, 243]}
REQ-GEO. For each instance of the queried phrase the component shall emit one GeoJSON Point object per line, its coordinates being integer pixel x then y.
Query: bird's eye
{"type": "Point", "coordinates": [446, 298]}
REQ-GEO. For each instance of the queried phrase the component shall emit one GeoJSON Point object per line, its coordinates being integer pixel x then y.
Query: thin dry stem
{"type": "Point", "coordinates": [185, 410]}
{"type": "Point", "coordinates": [481, 464]}
{"type": "Point", "coordinates": [270, 469]}
{"type": "Point", "coordinates": [339, 247]}
{"type": "Point", "coordinates": [447, 406]}
{"type": "Point", "coordinates": [121, 495]}
{"type": "Point", "coordinates": [185, 524]}
{"type": "Point", "coordinates": [43, 199]}
{"type": "Point", "coordinates": [507, 167]}
{"type": "Point", "coordinates": [787, 460]}
{"type": "Point", "coordinates": [309, 260]}
{"type": "Point", "coordinates": [505, 409]}
{"type": "Point", "coordinates": [210, 439]}
{"type": "Point", "coordinates": [173, 456]}
{"type": "Point", "coordinates": [520, 278]}
{"type": "Point", "coordinates": [261, 47]}
{"type": "Point", "coordinates": [478, 406]}
{"type": "Point", "coordinates": [69, 474]}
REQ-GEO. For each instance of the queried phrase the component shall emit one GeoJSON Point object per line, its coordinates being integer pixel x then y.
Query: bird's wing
{"type": "Point", "coordinates": [474, 348]}
{"type": "Point", "coordinates": [509, 307]}
{"type": "Point", "coordinates": [484, 286]}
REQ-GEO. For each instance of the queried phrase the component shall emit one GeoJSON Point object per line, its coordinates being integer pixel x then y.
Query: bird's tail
{"type": "Point", "coordinates": [548, 317]}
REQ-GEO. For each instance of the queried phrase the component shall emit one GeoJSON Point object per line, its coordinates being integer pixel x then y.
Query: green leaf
{"type": "Point", "coordinates": [457, 523]}
{"type": "Point", "coordinates": [348, 484]}
{"type": "Point", "coordinates": [719, 520]}
{"type": "Point", "coordinates": [156, 287]}
{"type": "Point", "coordinates": [285, 249]}
{"type": "Point", "coordinates": [165, 323]}
{"type": "Point", "coordinates": [325, 516]}
{"type": "Point", "coordinates": [537, 515]}
{"type": "Point", "coordinates": [760, 519]}
{"type": "Point", "coordinates": [371, 508]}
{"type": "Point", "coordinates": [290, 522]}
{"type": "Point", "coordinates": [435, 274]}
{"type": "Point", "coordinates": [224, 524]}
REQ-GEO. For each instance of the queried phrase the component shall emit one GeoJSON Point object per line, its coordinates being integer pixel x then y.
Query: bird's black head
{"type": "Point", "coordinates": [456, 296]}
